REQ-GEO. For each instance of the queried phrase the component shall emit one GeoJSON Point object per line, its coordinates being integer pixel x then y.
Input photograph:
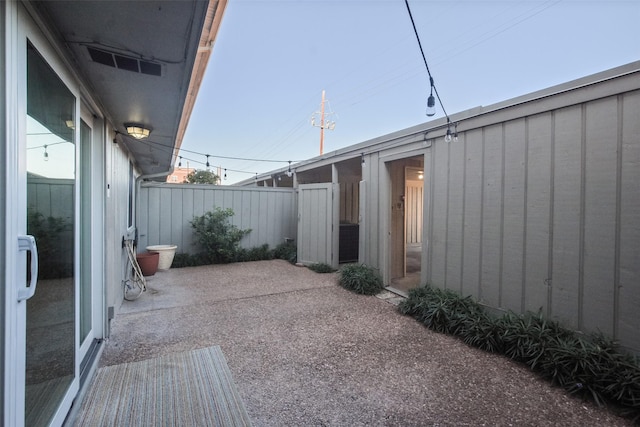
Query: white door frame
{"type": "Point", "coordinates": [20, 28]}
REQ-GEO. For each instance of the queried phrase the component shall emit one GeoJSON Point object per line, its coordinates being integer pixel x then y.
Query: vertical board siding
{"type": "Point", "coordinates": [565, 299]}
{"type": "Point", "coordinates": [414, 203]}
{"type": "Point", "coordinates": [439, 221]}
{"type": "Point", "coordinates": [349, 202]}
{"type": "Point", "coordinates": [472, 213]}
{"type": "Point", "coordinates": [166, 212]}
{"type": "Point", "coordinates": [538, 200]}
{"type": "Point", "coordinates": [600, 214]}
{"type": "Point", "coordinates": [513, 202]}
{"type": "Point", "coordinates": [629, 263]}
{"type": "Point", "coordinates": [455, 223]}
{"type": "Point", "coordinates": [542, 212]}
{"type": "Point", "coordinates": [315, 222]}
{"type": "Point", "coordinates": [491, 216]}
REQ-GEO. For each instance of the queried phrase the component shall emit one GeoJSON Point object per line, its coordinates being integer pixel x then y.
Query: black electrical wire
{"type": "Point", "coordinates": [162, 147]}
{"type": "Point", "coordinates": [415, 30]}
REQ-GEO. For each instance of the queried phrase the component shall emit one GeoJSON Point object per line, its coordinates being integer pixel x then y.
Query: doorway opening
{"type": "Point", "coordinates": [407, 205]}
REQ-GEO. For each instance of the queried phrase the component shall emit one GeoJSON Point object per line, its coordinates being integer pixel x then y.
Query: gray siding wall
{"type": "Point", "coordinates": [116, 223]}
{"type": "Point", "coordinates": [542, 211]}
{"type": "Point", "coordinates": [165, 212]}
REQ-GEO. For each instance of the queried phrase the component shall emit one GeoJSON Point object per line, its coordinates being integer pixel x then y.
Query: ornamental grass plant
{"type": "Point", "coordinates": [590, 366]}
{"type": "Point", "coordinates": [361, 279]}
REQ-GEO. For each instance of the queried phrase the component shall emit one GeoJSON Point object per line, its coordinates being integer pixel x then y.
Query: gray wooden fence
{"type": "Point", "coordinates": [166, 210]}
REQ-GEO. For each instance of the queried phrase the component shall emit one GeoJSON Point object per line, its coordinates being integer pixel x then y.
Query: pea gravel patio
{"type": "Point", "coordinates": [305, 352]}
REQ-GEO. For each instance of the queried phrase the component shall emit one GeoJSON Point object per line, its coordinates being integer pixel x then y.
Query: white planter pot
{"type": "Point", "coordinates": [167, 252]}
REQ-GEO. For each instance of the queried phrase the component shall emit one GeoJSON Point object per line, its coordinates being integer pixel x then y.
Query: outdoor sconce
{"type": "Point", "coordinates": [137, 131]}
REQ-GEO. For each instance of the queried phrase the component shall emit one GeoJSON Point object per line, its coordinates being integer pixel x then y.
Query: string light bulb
{"type": "Point", "coordinates": [46, 155]}
{"type": "Point", "coordinates": [180, 162]}
{"type": "Point", "coordinates": [225, 174]}
{"type": "Point", "coordinates": [362, 162]}
{"type": "Point", "coordinates": [208, 165]}
{"type": "Point", "coordinates": [431, 101]}
{"type": "Point", "coordinates": [289, 171]}
{"type": "Point", "coordinates": [448, 136]}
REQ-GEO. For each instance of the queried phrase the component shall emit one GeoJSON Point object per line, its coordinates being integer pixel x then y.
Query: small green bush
{"type": "Point", "coordinates": [219, 239]}
{"type": "Point", "coordinates": [321, 267]}
{"type": "Point", "coordinates": [360, 279]}
{"type": "Point", "coordinates": [286, 251]}
{"type": "Point", "coordinates": [259, 253]}
{"type": "Point", "coordinates": [589, 366]}
{"type": "Point", "coordinates": [181, 260]}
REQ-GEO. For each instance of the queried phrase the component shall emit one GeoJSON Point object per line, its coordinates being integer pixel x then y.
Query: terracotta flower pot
{"type": "Point", "coordinates": [148, 262]}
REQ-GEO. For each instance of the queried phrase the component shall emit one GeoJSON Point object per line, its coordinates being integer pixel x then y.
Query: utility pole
{"type": "Point", "coordinates": [324, 124]}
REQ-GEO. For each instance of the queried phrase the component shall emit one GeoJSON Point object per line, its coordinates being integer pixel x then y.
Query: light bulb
{"type": "Point", "coordinates": [431, 106]}
{"type": "Point", "coordinates": [46, 155]}
{"type": "Point", "coordinates": [447, 137]}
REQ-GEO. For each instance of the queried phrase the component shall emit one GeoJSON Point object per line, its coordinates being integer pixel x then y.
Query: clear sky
{"type": "Point", "coordinates": [273, 58]}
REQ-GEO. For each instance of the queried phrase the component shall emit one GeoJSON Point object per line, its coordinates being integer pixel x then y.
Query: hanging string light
{"type": "Point", "coordinates": [451, 135]}
{"type": "Point", "coordinates": [46, 155]}
{"type": "Point", "coordinates": [289, 172]}
{"type": "Point", "coordinates": [431, 102]}
{"type": "Point", "coordinates": [225, 174]}
{"type": "Point", "coordinates": [207, 164]}
{"type": "Point", "coordinates": [362, 160]}
{"type": "Point", "coordinates": [180, 162]}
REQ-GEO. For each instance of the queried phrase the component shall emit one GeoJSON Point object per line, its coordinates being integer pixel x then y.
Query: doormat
{"type": "Point", "coordinates": [193, 388]}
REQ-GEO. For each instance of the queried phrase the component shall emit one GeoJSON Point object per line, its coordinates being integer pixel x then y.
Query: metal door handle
{"type": "Point", "coordinates": [28, 243]}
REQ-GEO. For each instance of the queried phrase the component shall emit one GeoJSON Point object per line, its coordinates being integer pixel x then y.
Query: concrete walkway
{"type": "Point", "coordinates": [305, 352]}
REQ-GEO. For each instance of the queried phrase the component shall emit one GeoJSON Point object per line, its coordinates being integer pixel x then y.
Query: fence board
{"type": "Point", "coordinates": [167, 209]}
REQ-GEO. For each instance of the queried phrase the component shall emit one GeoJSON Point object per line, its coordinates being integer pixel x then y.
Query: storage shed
{"type": "Point", "coordinates": [535, 205]}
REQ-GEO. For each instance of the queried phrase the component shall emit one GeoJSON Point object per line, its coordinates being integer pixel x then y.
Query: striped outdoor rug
{"type": "Point", "coordinates": [193, 388]}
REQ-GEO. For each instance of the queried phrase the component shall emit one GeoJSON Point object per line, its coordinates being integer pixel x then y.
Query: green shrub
{"type": "Point", "coordinates": [360, 279]}
{"type": "Point", "coordinates": [321, 267]}
{"type": "Point", "coordinates": [181, 260]}
{"type": "Point", "coordinates": [287, 251]}
{"type": "Point", "coordinates": [589, 366]}
{"type": "Point", "coordinates": [219, 239]}
{"type": "Point", "coordinates": [259, 253]}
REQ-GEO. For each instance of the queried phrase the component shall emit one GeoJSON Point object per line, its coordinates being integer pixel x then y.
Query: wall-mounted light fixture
{"type": "Point", "coordinates": [70, 124]}
{"type": "Point", "coordinates": [137, 130]}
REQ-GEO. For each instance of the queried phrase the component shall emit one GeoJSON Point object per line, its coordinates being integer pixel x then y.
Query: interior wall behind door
{"type": "Point", "coordinates": [398, 201]}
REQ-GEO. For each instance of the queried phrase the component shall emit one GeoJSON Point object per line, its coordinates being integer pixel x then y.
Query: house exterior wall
{"type": "Point", "coordinates": [165, 212]}
{"type": "Point", "coordinates": [117, 224]}
{"type": "Point", "coordinates": [537, 207]}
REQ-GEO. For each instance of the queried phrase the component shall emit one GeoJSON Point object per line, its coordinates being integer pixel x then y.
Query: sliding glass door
{"type": "Point", "coordinates": [51, 219]}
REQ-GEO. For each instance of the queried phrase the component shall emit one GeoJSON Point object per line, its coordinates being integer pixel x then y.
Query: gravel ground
{"type": "Point", "coordinates": [305, 352]}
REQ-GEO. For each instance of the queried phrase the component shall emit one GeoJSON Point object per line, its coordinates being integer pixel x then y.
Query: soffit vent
{"type": "Point", "coordinates": [122, 62]}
